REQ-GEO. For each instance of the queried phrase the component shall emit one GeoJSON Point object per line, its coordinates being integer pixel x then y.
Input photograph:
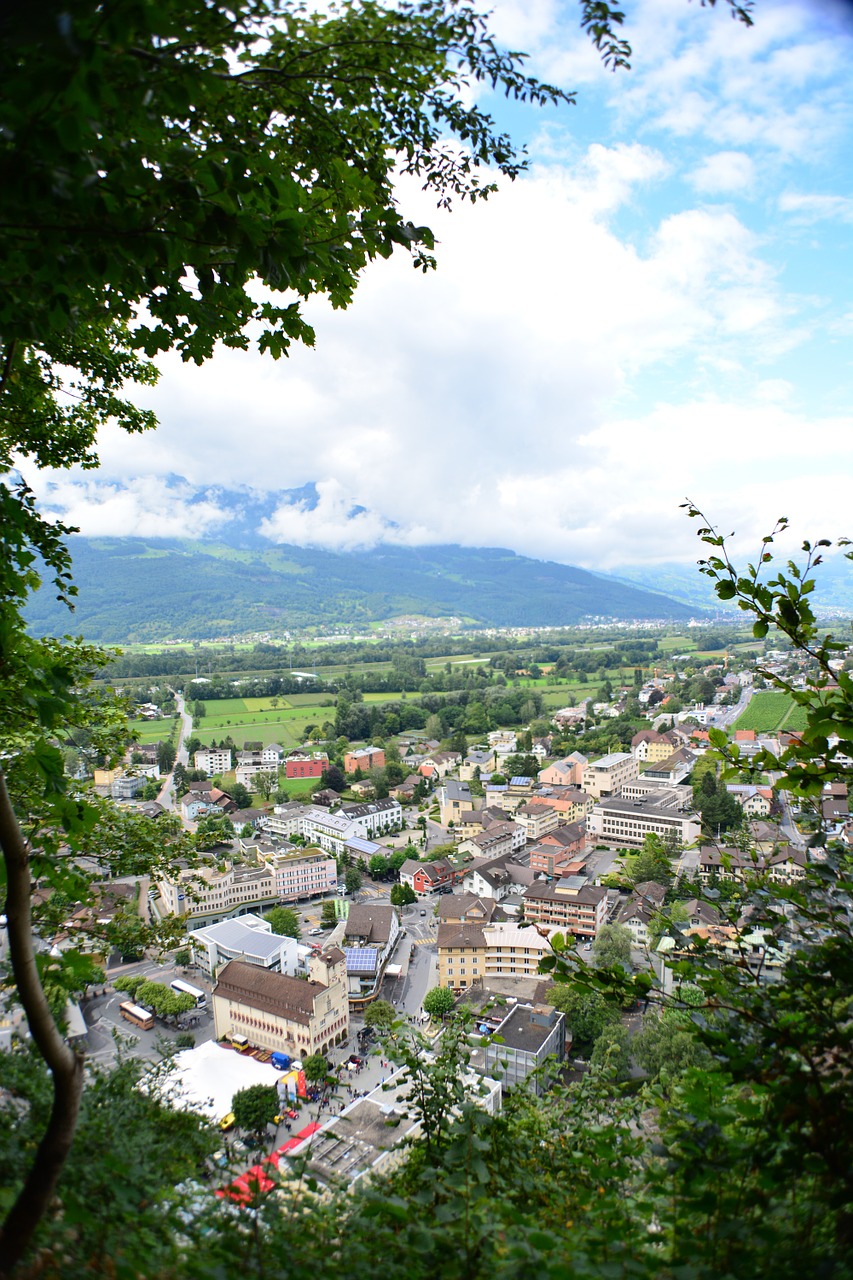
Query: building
{"type": "Point", "coordinates": [373, 819]}
{"type": "Point", "coordinates": [453, 798]}
{"type": "Point", "coordinates": [300, 765]}
{"type": "Point", "coordinates": [536, 820]}
{"type": "Point", "coordinates": [278, 1012]}
{"type": "Point", "coordinates": [785, 866]}
{"type": "Point", "coordinates": [250, 939]}
{"type": "Point", "coordinates": [127, 786]}
{"type": "Point", "coordinates": [370, 935]}
{"type": "Point", "coordinates": [364, 758]}
{"type": "Point", "coordinates": [299, 873]}
{"type": "Point", "coordinates": [571, 904]}
{"type": "Point", "coordinates": [521, 1044]}
{"type": "Point", "coordinates": [571, 804]}
{"type": "Point", "coordinates": [673, 769]}
{"type": "Point", "coordinates": [645, 903]}
{"type": "Point", "coordinates": [206, 894]}
{"type": "Point", "coordinates": [427, 877]}
{"type": "Point", "coordinates": [650, 746]}
{"type": "Point", "coordinates": [558, 850]}
{"type": "Point", "coordinates": [497, 877]}
{"type": "Point", "coordinates": [625, 824]}
{"type": "Point", "coordinates": [497, 839]}
{"type": "Point", "coordinates": [608, 775]}
{"type": "Point", "coordinates": [567, 772]}
{"type": "Point", "coordinates": [470, 951]}
{"type": "Point", "coordinates": [213, 759]}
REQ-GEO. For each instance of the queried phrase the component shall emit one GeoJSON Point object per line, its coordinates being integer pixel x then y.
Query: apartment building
{"type": "Point", "coordinates": [571, 904]}
{"type": "Point", "coordinates": [364, 758]}
{"type": "Point", "coordinates": [536, 820]}
{"type": "Point", "coordinates": [213, 759]}
{"type": "Point", "coordinates": [624, 824]}
{"type": "Point", "coordinates": [300, 873]}
{"type": "Point", "coordinates": [301, 765]}
{"type": "Point", "coordinates": [609, 774]}
{"type": "Point", "coordinates": [469, 951]}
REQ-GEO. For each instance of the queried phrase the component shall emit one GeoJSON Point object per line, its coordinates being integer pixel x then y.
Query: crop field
{"type": "Point", "coordinates": [768, 712]}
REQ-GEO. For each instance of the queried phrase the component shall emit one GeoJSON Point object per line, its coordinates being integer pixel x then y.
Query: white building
{"type": "Point", "coordinates": [213, 759]}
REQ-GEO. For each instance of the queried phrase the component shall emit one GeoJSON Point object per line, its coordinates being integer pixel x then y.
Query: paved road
{"type": "Point", "coordinates": [167, 792]}
{"type": "Point", "coordinates": [104, 1020]}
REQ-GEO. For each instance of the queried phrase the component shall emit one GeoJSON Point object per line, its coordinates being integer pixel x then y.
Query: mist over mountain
{"type": "Point", "coordinates": [147, 589]}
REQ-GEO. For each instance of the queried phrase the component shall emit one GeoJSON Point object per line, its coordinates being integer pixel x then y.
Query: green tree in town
{"type": "Point", "coordinates": [402, 895]}
{"type": "Point", "coordinates": [328, 915]}
{"type": "Point", "coordinates": [587, 1011]}
{"type": "Point", "coordinates": [255, 1107]}
{"type": "Point", "coordinates": [612, 1051]}
{"type": "Point", "coordinates": [316, 1068]}
{"type": "Point", "coordinates": [612, 946]}
{"type": "Point", "coordinates": [241, 795]}
{"type": "Point", "coordinates": [352, 879]}
{"type": "Point", "coordinates": [378, 866]}
{"type": "Point", "coordinates": [381, 1015]}
{"type": "Point", "coordinates": [284, 921]}
{"type": "Point", "coordinates": [438, 1002]}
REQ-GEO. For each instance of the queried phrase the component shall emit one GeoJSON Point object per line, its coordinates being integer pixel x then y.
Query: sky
{"type": "Point", "coordinates": [659, 309]}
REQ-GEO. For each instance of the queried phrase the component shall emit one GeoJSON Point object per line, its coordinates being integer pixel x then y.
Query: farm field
{"type": "Point", "coordinates": [146, 731]}
{"type": "Point", "coordinates": [770, 711]}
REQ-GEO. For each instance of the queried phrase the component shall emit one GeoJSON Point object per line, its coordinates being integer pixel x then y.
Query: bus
{"type": "Point", "coordinates": [139, 1017]}
{"type": "Point", "coordinates": [185, 989]}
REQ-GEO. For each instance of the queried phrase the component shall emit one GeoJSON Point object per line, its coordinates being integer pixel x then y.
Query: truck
{"type": "Point", "coordinates": [281, 1061]}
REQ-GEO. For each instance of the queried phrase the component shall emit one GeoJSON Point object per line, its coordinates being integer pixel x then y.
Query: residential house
{"type": "Point", "coordinates": [756, 801]}
{"type": "Point", "coordinates": [301, 764]}
{"type": "Point", "coordinates": [567, 772]}
{"type": "Point", "coordinates": [536, 820]}
{"type": "Point", "coordinates": [497, 877]}
{"type": "Point", "coordinates": [498, 838]}
{"type": "Point", "coordinates": [558, 851]}
{"type": "Point", "coordinates": [673, 769]}
{"type": "Point", "coordinates": [572, 805]}
{"type": "Point", "coordinates": [453, 798]}
{"type": "Point", "coordinates": [650, 746]}
{"type": "Point", "coordinates": [427, 877]}
{"type": "Point", "coordinates": [370, 935]}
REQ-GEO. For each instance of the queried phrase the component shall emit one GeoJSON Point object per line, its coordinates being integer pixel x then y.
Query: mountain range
{"type": "Point", "coordinates": [148, 589]}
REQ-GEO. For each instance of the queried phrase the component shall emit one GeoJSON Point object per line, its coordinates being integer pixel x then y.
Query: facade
{"type": "Point", "coordinates": [536, 820]}
{"type": "Point", "coordinates": [298, 765]}
{"type": "Point", "coordinates": [426, 877]}
{"type": "Point", "coordinates": [364, 758]}
{"type": "Point", "coordinates": [571, 904]}
{"type": "Point", "coordinates": [213, 759]}
{"type": "Point", "coordinates": [301, 873]}
{"type": "Point", "coordinates": [626, 823]}
{"type": "Point", "coordinates": [494, 841]}
{"type": "Point", "coordinates": [572, 805]}
{"type": "Point", "coordinates": [470, 951]}
{"type": "Point", "coordinates": [453, 798]}
{"type": "Point", "coordinates": [550, 855]}
{"type": "Point", "coordinates": [247, 773]}
{"type": "Point", "coordinates": [278, 1012]}
{"type": "Point", "coordinates": [609, 774]}
{"type": "Point", "coordinates": [207, 894]}
{"type": "Point", "coordinates": [567, 772]}
{"type": "Point", "coordinates": [373, 819]}
{"type": "Point", "coordinates": [786, 866]}
{"type": "Point", "coordinates": [497, 877]}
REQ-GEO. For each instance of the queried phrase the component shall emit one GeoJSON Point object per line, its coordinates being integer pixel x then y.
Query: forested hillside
{"type": "Point", "coordinates": [132, 589]}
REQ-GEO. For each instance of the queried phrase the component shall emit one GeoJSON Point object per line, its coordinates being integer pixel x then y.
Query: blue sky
{"type": "Point", "coordinates": [659, 308]}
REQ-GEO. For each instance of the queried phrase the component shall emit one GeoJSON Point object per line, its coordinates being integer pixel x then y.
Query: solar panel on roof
{"type": "Point", "coordinates": [361, 959]}
{"type": "Point", "coordinates": [520, 781]}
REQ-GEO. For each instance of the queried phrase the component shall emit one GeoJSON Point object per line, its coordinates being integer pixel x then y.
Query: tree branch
{"type": "Point", "coordinates": [66, 1066]}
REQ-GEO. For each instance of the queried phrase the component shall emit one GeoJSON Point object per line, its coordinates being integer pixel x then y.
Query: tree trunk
{"type": "Point", "coordinates": [66, 1066]}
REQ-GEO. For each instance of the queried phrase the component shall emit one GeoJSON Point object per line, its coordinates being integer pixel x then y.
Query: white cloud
{"type": "Point", "coordinates": [143, 507]}
{"type": "Point", "coordinates": [724, 173]}
{"type": "Point", "coordinates": [817, 208]}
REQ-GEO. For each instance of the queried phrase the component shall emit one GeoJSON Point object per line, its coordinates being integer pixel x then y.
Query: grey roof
{"type": "Point", "coordinates": [235, 935]}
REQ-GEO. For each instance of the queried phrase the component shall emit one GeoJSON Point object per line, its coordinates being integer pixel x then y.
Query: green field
{"type": "Point", "coordinates": [145, 731]}
{"type": "Point", "coordinates": [769, 712]}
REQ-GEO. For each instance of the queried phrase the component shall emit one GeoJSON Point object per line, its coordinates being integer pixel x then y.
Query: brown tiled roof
{"type": "Point", "coordinates": [368, 921]}
{"type": "Point", "coordinates": [467, 934]}
{"type": "Point", "coordinates": [275, 993]}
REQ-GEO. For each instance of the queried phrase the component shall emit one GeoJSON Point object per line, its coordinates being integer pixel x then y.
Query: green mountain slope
{"type": "Point", "coordinates": [133, 589]}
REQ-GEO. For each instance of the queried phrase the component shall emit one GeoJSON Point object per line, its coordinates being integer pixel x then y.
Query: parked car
{"type": "Point", "coordinates": [314, 933]}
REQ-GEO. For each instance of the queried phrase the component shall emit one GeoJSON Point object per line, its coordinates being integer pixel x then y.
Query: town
{"type": "Point", "coordinates": [416, 880]}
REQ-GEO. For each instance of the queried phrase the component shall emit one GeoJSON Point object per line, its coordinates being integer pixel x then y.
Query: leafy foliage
{"type": "Point", "coordinates": [255, 1107]}
{"type": "Point", "coordinates": [285, 922]}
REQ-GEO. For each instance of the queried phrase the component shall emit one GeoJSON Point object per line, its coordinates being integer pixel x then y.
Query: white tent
{"type": "Point", "coordinates": [208, 1077]}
